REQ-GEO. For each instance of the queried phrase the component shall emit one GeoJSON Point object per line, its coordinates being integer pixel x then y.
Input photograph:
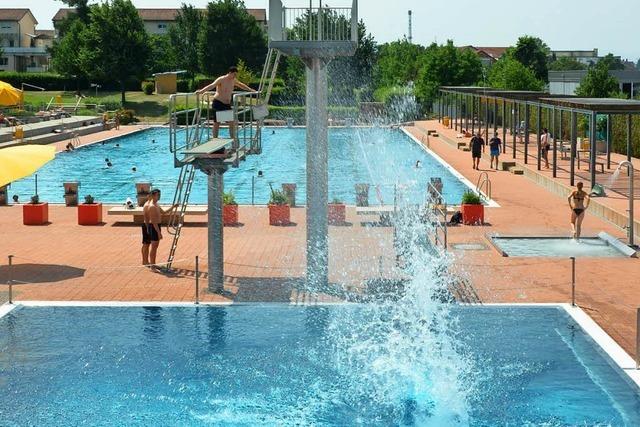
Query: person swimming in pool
{"type": "Point", "coordinates": [108, 162]}
{"type": "Point", "coordinates": [579, 203]}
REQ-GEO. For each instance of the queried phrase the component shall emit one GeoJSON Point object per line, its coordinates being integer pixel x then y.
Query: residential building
{"type": "Point", "coordinates": [157, 21]}
{"type": "Point", "coordinates": [566, 82]}
{"type": "Point", "coordinates": [488, 55]}
{"type": "Point", "coordinates": [24, 48]}
{"type": "Point", "coordinates": [586, 57]}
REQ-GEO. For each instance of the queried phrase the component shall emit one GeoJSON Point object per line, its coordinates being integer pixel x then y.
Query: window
{"type": "Point", "coordinates": [4, 61]}
{"type": "Point", "coordinates": [162, 26]}
{"type": "Point", "coordinates": [11, 43]}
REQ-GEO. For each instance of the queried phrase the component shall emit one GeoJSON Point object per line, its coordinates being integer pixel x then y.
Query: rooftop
{"type": "Point", "coordinates": [165, 14]}
{"type": "Point", "coordinates": [13, 14]}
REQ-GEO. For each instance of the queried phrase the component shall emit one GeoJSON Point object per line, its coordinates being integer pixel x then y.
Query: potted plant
{"type": "Point", "coordinates": [472, 209]}
{"type": "Point", "coordinates": [89, 212]}
{"type": "Point", "coordinates": [337, 212]}
{"type": "Point", "coordinates": [279, 210]}
{"type": "Point", "coordinates": [35, 213]}
{"type": "Point", "coordinates": [229, 209]}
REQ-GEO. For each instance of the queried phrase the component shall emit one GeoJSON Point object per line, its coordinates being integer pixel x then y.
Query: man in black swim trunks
{"type": "Point", "coordinates": [224, 86]}
{"type": "Point", "coordinates": [477, 148]}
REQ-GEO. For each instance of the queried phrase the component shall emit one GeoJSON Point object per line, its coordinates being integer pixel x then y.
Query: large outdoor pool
{"type": "Point", "coordinates": [283, 365]}
{"type": "Point", "coordinates": [385, 158]}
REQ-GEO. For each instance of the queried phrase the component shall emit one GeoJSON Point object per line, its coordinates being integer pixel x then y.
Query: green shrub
{"type": "Point", "coordinates": [336, 201]}
{"type": "Point", "coordinates": [127, 116]}
{"type": "Point", "coordinates": [298, 113]}
{"type": "Point", "coordinates": [471, 198]}
{"type": "Point", "coordinates": [148, 87]}
{"type": "Point", "coordinates": [228, 198]}
{"type": "Point", "coordinates": [35, 199]}
{"type": "Point", "coordinates": [278, 198]}
{"type": "Point", "coordinates": [88, 199]}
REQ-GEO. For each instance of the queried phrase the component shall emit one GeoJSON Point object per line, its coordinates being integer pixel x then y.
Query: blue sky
{"type": "Point", "coordinates": [611, 25]}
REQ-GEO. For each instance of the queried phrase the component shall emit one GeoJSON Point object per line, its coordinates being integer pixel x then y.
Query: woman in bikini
{"type": "Point", "coordinates": [578, 202]}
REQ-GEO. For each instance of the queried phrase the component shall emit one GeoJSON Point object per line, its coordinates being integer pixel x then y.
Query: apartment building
{"type": "Point", "coordinates": [24, 48]}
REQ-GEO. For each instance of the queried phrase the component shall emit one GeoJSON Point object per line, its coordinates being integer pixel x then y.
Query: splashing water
{"type": "Point", "coordinates": [399, 353]}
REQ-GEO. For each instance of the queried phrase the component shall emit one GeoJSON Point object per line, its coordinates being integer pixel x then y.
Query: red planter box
{"type": "Point", "coordinates": [337, 214]}
{"type": "Point", "coordinates": [35, 214]}
{"type": "Point", "coordinates": [279, 215]}
{"type": "Point", "coordinates": [90, 214]}
{"type": "Point", "coordinates": [472, 214]}
{"type": "Point", "coordinates": [230, 214]}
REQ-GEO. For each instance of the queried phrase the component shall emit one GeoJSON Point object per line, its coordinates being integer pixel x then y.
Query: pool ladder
{"type": "Point", "coordinates": [484, 183]}
{"type": "Point", "coordinates": [180, 199]}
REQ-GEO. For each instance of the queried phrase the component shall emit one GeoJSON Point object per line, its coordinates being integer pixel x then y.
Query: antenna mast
{"type": "Point", "coordinates": [410, 28]}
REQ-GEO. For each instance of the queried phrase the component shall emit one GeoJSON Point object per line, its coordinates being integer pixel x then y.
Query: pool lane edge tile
{"type": "Point", "coordinates": [628, 251]}
{"type": "Point", "coordinates": [6, 309]}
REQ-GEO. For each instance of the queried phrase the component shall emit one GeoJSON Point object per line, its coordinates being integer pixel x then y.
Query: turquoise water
{"type": "Point", "coordinates": [279, 365]}
{"type": "Point", "coordinates": [557, 247]}
{"type": "Point", "coordinates": [379, 157]}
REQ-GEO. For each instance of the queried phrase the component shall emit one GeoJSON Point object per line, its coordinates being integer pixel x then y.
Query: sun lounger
{"type": "Point", "coordinates": [138, 217]}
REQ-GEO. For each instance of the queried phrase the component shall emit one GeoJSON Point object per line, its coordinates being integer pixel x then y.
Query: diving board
{"type": "Point", "coordinates": [209, 147]}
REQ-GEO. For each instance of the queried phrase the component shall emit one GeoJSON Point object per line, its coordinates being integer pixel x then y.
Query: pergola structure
{"type": "Point", "coordinates": [482, 108]}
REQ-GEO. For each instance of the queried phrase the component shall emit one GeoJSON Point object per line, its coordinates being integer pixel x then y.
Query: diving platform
{"type": "Point", "coordinates": [214, 148]}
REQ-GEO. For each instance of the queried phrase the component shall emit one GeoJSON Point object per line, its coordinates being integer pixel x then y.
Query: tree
{"type": "Point", "coordinates": [566, 63]}
{"type": "Point", "coordinates": [510, 74]}
{"type": "Point", "coordinates": [446, 65]}
{"type": "Point", "coordinates": [612, 62]}
{"type": "Point", "coordinates": [638, 64]}
{"type": "Point", "coordinates": [161, 55]}
{"type": "Point", "coordinates": [81, 12]}
{"type": "Point", "coordinates": [398, 63]}
{"type": "Point", "coordinates": [65, 58]}
{"type": "Point", "coordinates": [230, 34]}
{"type": "Point", "coordinates": [598, 83]}
{"type": "Point", "coordinates": [183, 36]}
{"type": "Point", "coordinates": [116, 45]}
{"type": "Point", "coordinates": [533, 53]}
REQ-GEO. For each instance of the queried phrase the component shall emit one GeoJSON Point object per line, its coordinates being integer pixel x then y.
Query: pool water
{"type": "Point", "coordinates": [557, 247]}
{"type": "Point", "coordinates": [380, 157]}
{"type": "Point", "coordinates": [275, 365]}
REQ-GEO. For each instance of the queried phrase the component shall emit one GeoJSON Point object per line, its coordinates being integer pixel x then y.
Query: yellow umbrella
{"type": "Point", "coordinates": [19, 162]}
{"type": "Point", "coordinates": [9, 95]}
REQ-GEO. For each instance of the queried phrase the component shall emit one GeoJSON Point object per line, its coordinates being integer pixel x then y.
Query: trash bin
{"type": "Point", "coordinates": [71, 193]}
{"type": "Point", "coordinates": [143, 189]}
{"type": "Point", "coordinates": [445, 121]}
{"type": "Point", "coordinates": [362, 195]}
{"type": "Point", "coordinates": [290, 191]}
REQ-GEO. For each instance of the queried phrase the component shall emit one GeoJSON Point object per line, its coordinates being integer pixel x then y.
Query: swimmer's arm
{"type": "Point", "coordinates": [588, 200]}
{"type": "Point", "coordinates": [243, 86]}
{"type": "Point", "coordinates": [569, 199]}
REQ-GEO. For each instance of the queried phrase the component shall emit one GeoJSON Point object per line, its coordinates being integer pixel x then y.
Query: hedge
{"type": "Point", "coordinates": [297, 113]}
{"type": "Point", "coordinates": [57, 82]}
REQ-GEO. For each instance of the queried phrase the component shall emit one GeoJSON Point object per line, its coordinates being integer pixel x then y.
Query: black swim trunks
{"type": "Point", "coordinates": [219, 106]}
{"type": "Point", "coordinates": [146, 239]}
{"type": "Point", "coordinates": [152, 233]}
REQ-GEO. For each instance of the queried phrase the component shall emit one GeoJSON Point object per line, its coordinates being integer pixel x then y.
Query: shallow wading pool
{"type": "Point", "coordinates": [288, 365]}
{"type": "Point", "coordinates": [603, 246]}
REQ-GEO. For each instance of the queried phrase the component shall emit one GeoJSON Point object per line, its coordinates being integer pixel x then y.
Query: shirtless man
{"type": "Point", "coordinates": [152, 213]}
{"type": "Point", "coordinates": [578, 202]}
{"type": "Point", "coordinates": [224, 86]}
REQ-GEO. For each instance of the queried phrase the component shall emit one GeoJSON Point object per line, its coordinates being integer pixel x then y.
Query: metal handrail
{"type": "Point", "coordinates": [484, 182]}
{"type": "Point", "coordinates": [439, 207]}
{"type": "Point", "coordinates": [319, 23]}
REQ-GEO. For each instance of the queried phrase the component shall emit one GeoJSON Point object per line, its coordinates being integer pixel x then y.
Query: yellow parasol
{"type": "Point", "coordinates": [9, 95]}
{"type": "Point", "coordinates": [19, 162]}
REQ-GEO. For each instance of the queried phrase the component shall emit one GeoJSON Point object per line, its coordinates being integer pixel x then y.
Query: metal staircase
{"type": "Point", "coordinates": [190, 137]}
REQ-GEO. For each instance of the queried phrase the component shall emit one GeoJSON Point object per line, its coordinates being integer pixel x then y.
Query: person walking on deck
{"type": "Point", "coordinates": [495, 145]}
{"type": "Point", "coordinates": [579, 203]}
{"type": "Point", "coordinates": [477, 148]}
{"type": "Point", "coordinates": [545, 145]}
{"type": "Point", "coordinates": [224, 86]}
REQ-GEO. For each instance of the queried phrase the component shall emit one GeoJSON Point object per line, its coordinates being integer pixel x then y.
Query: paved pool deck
{"type": "Point", "coordinates": [63, 261]}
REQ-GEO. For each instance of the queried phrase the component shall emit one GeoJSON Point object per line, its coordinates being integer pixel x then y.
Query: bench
{"type": "Point", "coordinates": [138, 215]}
{"type": "Point", "coordinates": [588, 161]}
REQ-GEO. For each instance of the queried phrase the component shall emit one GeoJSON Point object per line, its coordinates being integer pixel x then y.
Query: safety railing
{"type": "Point", "coordinates": [184, 124]}
{"type": "Point", "coordinates": [313, 23]}
{"type": "Point", "coordinates": [436, 204]}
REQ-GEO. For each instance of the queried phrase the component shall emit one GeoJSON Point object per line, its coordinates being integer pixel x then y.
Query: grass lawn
{"type": "Point", "coordinates": [148, 108]}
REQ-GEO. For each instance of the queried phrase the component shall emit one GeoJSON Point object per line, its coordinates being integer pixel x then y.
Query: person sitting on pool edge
{"type": "Point", "coordinates": [579, 203]}
{"type": "Point", "coordinates": [224, 86]}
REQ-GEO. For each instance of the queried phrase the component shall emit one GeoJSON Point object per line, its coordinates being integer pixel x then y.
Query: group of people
{"type": "Point", "coordinates": [578, 199]}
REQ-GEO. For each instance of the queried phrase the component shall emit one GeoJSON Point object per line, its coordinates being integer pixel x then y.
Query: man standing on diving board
{"type": "Point", "coordinates": [224, 86]}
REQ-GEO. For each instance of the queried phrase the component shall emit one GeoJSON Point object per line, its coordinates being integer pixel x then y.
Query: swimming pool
{"type": "Point", "coordinates": [379, 157]}
{"type": "Point", "coordinates": [603, 246]}
{"type": "Point", "coordinates": [278, 365]}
